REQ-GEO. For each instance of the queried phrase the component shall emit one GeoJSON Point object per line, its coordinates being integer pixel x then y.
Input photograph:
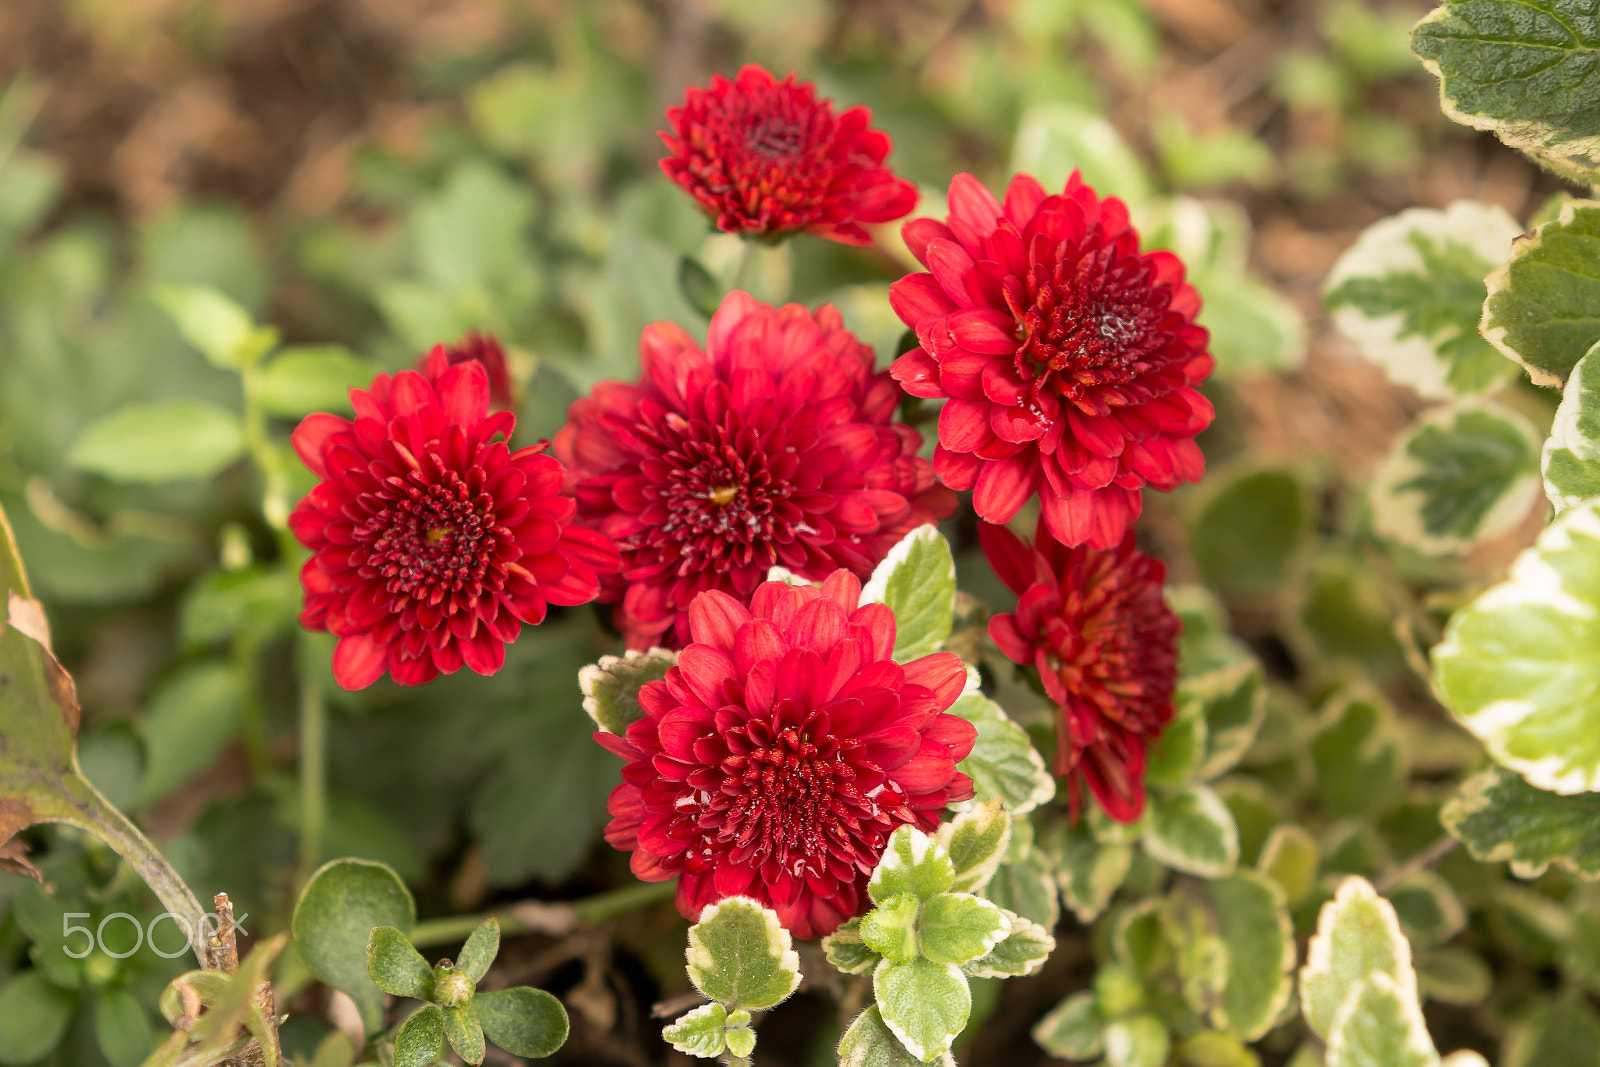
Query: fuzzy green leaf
{"type": "Point", "coordinates": [465, 1034]}
{"type": "Point", "coordinates": [611, 687]}
{"type": "Point", "coordinates": [308, 378]}
{"type": "Point", "coordinates": [1357, 755]}
{"type": "Point", "coordinates": [1379, 1024]}
{"type": "Point", "coordinates": [1022, 951]}
{"type": "Point", "coordinates": [869, 1043]}
{"type": "Point", "coordinates": [1571, 458]}
{"type": "Point", "coordinates": [847, 951]}
{"type": "Point", "coordinates": [1517, 665]}
{"type": "Point", "coordinates": [1073, 1029]}
{"type": "Point", "coordinates": [1410, 293]}
{"type": "Point", "coordinates": [701, 1032]}
{"type": "Point", "coordinates": [916, 581]}
{"type": "Point", "coordinates": [959, 928]}
{"type": "Point", "coordinates": [1178, 751]}
{"type": "Point", "coordinates": [1232, 702]}
{"type": "Point", "coordinates": [1137, 1041]}
{"type": "Point", "coordinates": [912, 863]}
{"type": "Point", "coordinates": [33, 1016]}
{"type": "Point", "coordinates": [1357, 934]}
{"type": "Point", "coordinates": [1087, 871]}
{"type": "Point", "coordinates": [924, 1004]}
{"type": "Point", "coordinates": [420, 1039]}
{"type": "Point", "coordinates": [168, 441]}
{"type": "Point", "coordinates": [1462, 475]}
{"type": "Point", "coordinates": [480, 950]}
{"type": "Point", "coordinates": [890, 929]}
{"type": "Point", "coordinates": [1500, 817]}
{"type": "Point", "coordinates": [1562, 1033]}
{"type": "Point", "coordinates": [1252, 919]}
{"type": "Point", "coordinates": [1054, 139]}
{"type": "Point", "coordinates": [1290, 857]}
{"type": "Point", "coordinates": [1028, 887]}
{"type": "Point", "coordinates": [976, 842]}
{"type": "Point", "coordinates": [334, 918]}
{"type": "Point", "coordinates": [396, 967]}
{"type": "Point", "coordinates": [1192, 830]}
{"type": "Point", "coordinates": [1454, 975]}
{"type": "Point", "coordinates": [1429, 910]}
{"type": "Point", "coordinates": [524, 1021]}
{"type": "Point", "coordinates": [1543, 307]}
{"type": "Point", "coordinates": [1250, 530]}
{"type": "Point", "coordinates": [739, 953]}
{"type": "Point", "coordinates": [1003, 762]}
{"type": "Point", "coordinates": [1525, 69]}
{"type": "Point", "coordinates": [122, 1028]}
{"type": "Point", "coordinates": [741, 1038]}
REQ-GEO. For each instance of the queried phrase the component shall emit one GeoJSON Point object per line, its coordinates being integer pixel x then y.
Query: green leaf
{"type": "Point", "coordinates": [1290, 857]}
{"type": "Point", "coordinates": [307, 378]}
{"type": "Point", "coordinates": [1524, 69]}
{"type": "Point", "coordinates": [699, 1032]}
{"type": "Point", "coordinates": [1233, 703]}
{"type": "Point", "coordinates": [1191, 830]}
{"type": "Point", "coordinates": [1357, 755]}
{"type": "Point", "coordinates": [524, 1021]}
{"type": "Point", "coordinates": [1517, 665]}
{"type": "Point", "coordinates": [1429, 910]}
{"type": "Point", "coordinates": [333, 921]}
{"type": "Point", "coordinates": [396, 967]}
{"type": "Point", "coordinates": [472, 231]}
{"type": "Point", "coordinates": [480, 950]}
{"type": "Point", "coordinates": [1177, 753]}
{"type": "Point", "coordinates": [187, 720]}
{"type": "Point", "coordinates": [1410, 293]}
{"type": "Point", "coordinates": [924, 1004]}
{"type": "Point", "coordinates": [465, 1034]}
{"type": "Point", "coordinates": [976, 842]}
{"type": "Point", "coordinates": [611, 687]}
{"type": "Point", "coordinates": [1562, 1033]}
{"type": "Point", "coordinates": [256, 604]}
{"type": "Point", "coordinates": [1028, 887]}
{"type": "Point", "coordinates": [221, 329]}
{"type": "Point", "coordinates": [916, 581]}
{"type": "Point", "coordinates": [869, 1043]}
{"type": "Point", "coordinates": [913, 863]}
{"type": "Point", "coordinates": [959, 928]}
{"type": "Point", "coordinates": [1462, 475]}
{"type": "Point", "coordinates": [122, 1028]}
{"type": "Point", "coordinates": [33, 1016]}
{"type": "Point", "coordinates": [1571, 458]}
{"type": "Point", "coordinates": [1054, 139]}
{"type": "Point", "coordinates": [1087, 871]}
{"type": "Point", "coordinates": [1022, 951]}
{"type": "Point", "coordinates": [1073, 1029]}
{"type": "Point", "coordinates": [1003, 762]}
{"type": "Point", "coordinates": [890, 929]}
{"type": "Point", "coordinates": [700, 290]}
{"type": "Point", "coordinates": [1379, 1024]}
{"type": "Point", "coordinates": [1211, 1048]}
{"type": "Point", "coordinates": [169, 441]}
{"type": "Point", "coordinates": [1250, 530]}
{"type": "Point", "coordinates": [420, 1039]}
{"type": "Point", "coordinates": [1137, 1041]}
{"type": "Point", "coordinates": [1454, 975]}
{"type": "Point", "coordinates": [739, 953]}
{"type": "Point", "coordinates": [1252, 918]}
{"type": "Point", "coordinates": [1543, 307]}
{"type": "Point", "coordinates": [1357, 935]}
{"type": "Point", "coordinates": [847, 951]}
{"type": "Point", "coordinates": [1500, 817]}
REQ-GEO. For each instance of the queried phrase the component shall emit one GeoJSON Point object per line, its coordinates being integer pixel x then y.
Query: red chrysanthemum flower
{"type": "Point", "coordinates": [772, 446]}
{"type": "Point", "coordinates": [782, 751]}
{"type": "Point", "coordinates": [432, 542]}
{"type": "Point", "coordinates": [766, 158]}
{"type": "Point", "coordinates": [1096, 625]}
{"type": "Point", "coordinates": [1070, 358]}
{"type": "Point", "coordinates": [484, 349]}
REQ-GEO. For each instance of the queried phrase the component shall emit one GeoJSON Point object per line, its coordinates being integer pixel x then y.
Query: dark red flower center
{"type": "Point", "coordinates": [1089, 317]}
{"type": "Point", "coordinates": [428, 538]}
{"type": "Point", "coordinates": [775, 138]}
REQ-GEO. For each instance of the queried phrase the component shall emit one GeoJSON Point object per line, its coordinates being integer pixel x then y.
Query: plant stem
{"type": "Point", "coordinates": [83, 806]}
{"type": "Point", "coordinates": [313, 773]}
{"type": "Point", "coordinates": [251, 711]}
{"type": "Point", "coordinates": [268, 461]}
{"type": "Point", "coordinates": [589, 911]}
{"type": "Point", "coordinates": [1421, 861]}
{"type": "Point", "coordinates": [748, 251]}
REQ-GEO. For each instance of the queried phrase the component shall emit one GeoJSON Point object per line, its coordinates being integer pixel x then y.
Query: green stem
{"type": "Point", "coordinates": [313, 772]}
{"type": "Point", "coordinates": [268, 460]}
{"type": "Point", "coordinates": [748, 251]}
{"type": "Point", "coordinates": [81, 805]}
{"type": "Point", "coordinates": [590, 911]}
{"type": "Point", "coordinates": [252, 711]}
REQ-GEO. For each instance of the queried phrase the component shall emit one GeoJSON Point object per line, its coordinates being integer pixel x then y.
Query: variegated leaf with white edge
{"type": "Point", "coordinates": [740, 954]}
{"type": "Point", "coordinates": [1462, 475]}
{"type": "Point", "coordinates": [916, 581]}
{"type": "Point", "coordinates": [924, 1004]}
{"type": "Point", "coordinates": [1191, 830]}
{"type": "Point", "coordinates": [611, 686]}
{"type": "Point", "coordinates": [1543, 307]}
{"type": "Point", "coordinates": [1517, 665]}
{"type": "Point", "coordinates": [1003, 762]}
{"type": "Point", "coordinates": [1571, 458]}
{"type": "Point", "coordinates": [1379, 1024]}
{"type": "Point", "coordinates": [976, 842]}
{"type": "Point", "coordinates": [1357, 934]}
{"type": "Point", "coordinates": [1022, 951]}
{"type": "Point", "coordinates": [1410, 293]}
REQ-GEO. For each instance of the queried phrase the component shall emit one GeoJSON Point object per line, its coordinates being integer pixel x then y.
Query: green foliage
{"type": "Point", "coordinates": [1500, 817]}
{"type": "Point", "coordinates": [1410, 293]}
{"type": "Point", "coordinates": [1191, 830]}
{"type": "Point", "coordinates": [739, 954]}
{"type": "Point", "coordinates": [1003, 764]}
{"type": "Point", "coordinates": [1522, 68]}
{"type": "Point", "coordinates": [174, 441]}
{"type": "Point", "coordinates": [1460, 476]}
{"type": "Point", "coordinates": [524, 1021]}
{"type": "Point", "coordinates": [1543, 307]}
{"type": "Point", "coordinates": [306, 378]}
{"type": "Point", "coordinates": [1250, 531]}
{"type": "Point", "coordinates": [1514, 666]}
{"type": "Point", "coordinates": [916, 581]}
{"type": "Point", "coordinates": [216, 325]}
{"type": "Point", "coordinates": [1571, 458]}
{"type": "Point", "coordinates": [333, 922]}
{"type": "Point", "coordinates": [611, 686]}
{"type": "Point", "coordinates": [1055, 139]}
{"type": "Point", "coordinates": [870, 1043]}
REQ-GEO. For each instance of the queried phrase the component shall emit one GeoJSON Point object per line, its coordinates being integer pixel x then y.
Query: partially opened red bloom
{"type": "Point", "coordinates": [485, 349]}
{"type": "Point", "coordinates": [432, 542]}
{"type": "Point", "coordinates": [1070, 358]}
{"type": "Point", "coordinates": [782, 751]}
{"type": "Point", "coordinates": [766, 158]}
{"type": "Point", "coordinates": [1096, 625]}
{"type": "Point", "coordinates": [773, 446]}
